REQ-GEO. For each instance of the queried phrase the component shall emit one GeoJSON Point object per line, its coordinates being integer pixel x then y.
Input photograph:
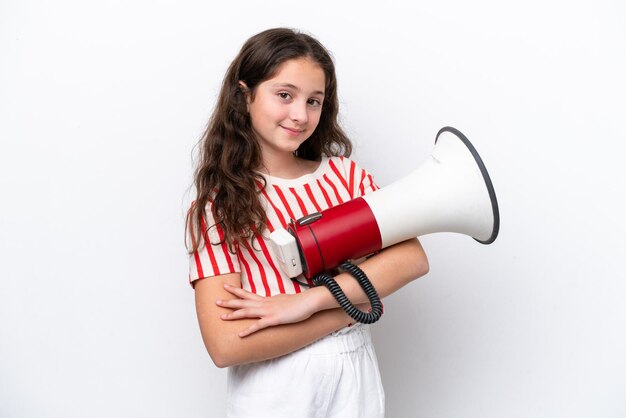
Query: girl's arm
{"type": "Point", "coordinates": [289, 322]}
{"type": "Point", "coordinates": [388, 271]}
{"type": "Point", "coordinates": [222, 339]}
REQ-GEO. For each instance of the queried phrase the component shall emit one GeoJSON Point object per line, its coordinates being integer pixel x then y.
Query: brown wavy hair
{"type": "Point", "coordinates": [229, 153]}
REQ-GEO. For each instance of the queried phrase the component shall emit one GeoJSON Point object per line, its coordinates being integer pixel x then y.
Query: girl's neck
{"type": "Point", "coordinates": [288, 167]}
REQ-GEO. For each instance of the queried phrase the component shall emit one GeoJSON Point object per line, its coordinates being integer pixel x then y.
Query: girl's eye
{"type": "Point", "coordinates": [315, 102]}
{"type": "Point", "coordinates": [284, 95]}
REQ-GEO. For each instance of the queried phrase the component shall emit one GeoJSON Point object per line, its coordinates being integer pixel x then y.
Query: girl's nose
{"type": "Point", "coordinates": [299, 112]}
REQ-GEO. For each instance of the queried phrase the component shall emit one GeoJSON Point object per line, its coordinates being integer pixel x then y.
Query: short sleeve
{"type": "Point", "coordinates": [213, 258]}
{"type": "Point", "coordinates": [360, 181]}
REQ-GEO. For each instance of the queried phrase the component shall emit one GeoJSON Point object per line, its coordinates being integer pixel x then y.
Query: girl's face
{"type": "Point", "coordinates": [287, 107]}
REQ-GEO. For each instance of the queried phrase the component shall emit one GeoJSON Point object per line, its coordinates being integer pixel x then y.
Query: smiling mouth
{"type": "Point", "coordinates": [293, 131]}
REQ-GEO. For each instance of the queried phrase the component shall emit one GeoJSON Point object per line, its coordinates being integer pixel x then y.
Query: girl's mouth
{"type": "Point", "coordinates": [292, 131]}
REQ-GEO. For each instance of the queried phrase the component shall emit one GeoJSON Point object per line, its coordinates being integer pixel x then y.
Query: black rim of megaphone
{"type": "Point", "coordinates": [486, 178]}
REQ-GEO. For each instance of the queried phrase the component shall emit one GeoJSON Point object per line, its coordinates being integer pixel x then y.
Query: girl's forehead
{"type": "Point", "coordinates": [300, 74]}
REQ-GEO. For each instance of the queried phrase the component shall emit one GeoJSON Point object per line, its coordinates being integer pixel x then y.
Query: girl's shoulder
{"type": "Point", "coordinates": [347, 164]}
{"type": "Point", "coordinates": [347, 167]}
{"type": "Point", "coordinates": [345, 172]}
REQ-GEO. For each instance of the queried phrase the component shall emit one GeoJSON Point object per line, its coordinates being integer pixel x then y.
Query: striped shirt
{"type": "Point", "coordinates": [335, 181]}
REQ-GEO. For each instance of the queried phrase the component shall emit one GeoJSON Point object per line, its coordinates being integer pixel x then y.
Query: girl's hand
{"type": "Point", "coordinates": [271, 311]}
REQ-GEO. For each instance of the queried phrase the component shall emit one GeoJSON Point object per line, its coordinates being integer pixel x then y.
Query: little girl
{"type": "Point", "coordinates": [274, 151]}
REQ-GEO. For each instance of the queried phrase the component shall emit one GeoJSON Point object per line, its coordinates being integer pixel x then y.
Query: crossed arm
{"type": "Point", "coordinates": [240, 327]}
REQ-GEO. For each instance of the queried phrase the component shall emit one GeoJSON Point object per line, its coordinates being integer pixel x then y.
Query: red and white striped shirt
{"type": "Point", "coordinates": [335, 181]}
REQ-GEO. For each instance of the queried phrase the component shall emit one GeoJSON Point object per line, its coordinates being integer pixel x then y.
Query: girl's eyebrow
{"type": "Point", "coordinates": [296, 88]}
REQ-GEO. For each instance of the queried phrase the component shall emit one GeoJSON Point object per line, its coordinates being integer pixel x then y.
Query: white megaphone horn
{"type": "Point", "coordinates": [450, 192]}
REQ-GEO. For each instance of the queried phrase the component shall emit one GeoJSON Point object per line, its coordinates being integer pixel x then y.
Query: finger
{"type": "Point", "coordinates": [240, 314]}
{"type": "Point", "coordinates": [257, 326]}
{"type": "Point", "coordinates": [241, 293]}
{"type": "Point", "coordinates": [236, 303]}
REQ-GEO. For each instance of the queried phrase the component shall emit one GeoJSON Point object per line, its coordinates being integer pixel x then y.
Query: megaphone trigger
{"type": "Point", "coordinates": [305, 220]}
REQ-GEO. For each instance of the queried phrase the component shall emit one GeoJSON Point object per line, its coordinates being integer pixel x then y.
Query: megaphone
{"type": "Point", "coordinates": [450, 192]}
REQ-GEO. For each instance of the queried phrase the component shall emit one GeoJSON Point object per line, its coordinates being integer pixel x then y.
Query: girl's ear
{"type": "Point", "coordinates": [246, 92]}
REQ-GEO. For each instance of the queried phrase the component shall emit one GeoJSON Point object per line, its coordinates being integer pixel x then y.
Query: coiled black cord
{"type": "Point", "coordinates": [355, 313]}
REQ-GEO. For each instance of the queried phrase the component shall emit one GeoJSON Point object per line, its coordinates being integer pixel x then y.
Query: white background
{"type": "Point", "coordinates": [102, 102]}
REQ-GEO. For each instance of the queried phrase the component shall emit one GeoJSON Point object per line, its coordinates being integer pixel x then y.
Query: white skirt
{"type": "Point", "coordinates": [336, 376]}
